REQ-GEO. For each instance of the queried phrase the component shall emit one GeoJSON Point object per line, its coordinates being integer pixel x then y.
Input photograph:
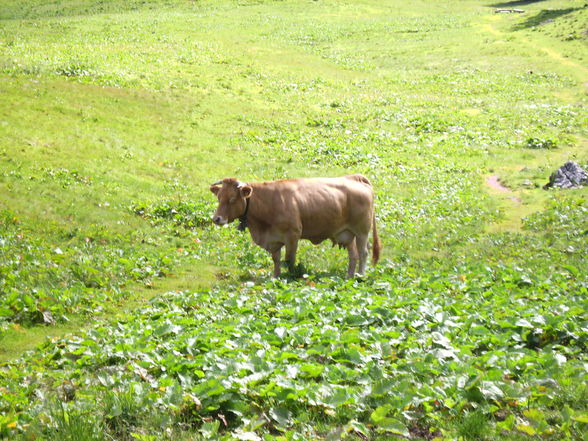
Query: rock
{"type": "Point", "coordinates": [518, 11]}
{"type": "Point", "coordinates": [569, 175]}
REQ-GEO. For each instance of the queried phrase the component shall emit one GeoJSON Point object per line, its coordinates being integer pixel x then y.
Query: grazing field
{"type": "Point", "coordinates": [126, 315]}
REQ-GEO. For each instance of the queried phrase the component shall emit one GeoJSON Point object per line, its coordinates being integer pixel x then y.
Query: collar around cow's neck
{"type": "Point", "coordinates": [243, 218]}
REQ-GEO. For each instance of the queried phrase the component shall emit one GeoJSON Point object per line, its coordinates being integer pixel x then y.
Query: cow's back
{"type": "Point", "coordinates": [327, 206]}
{"type": "Point", "coordinates": [359, 178]}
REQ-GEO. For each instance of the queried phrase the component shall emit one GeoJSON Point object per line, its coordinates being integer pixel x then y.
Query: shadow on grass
{"type": "Point", "coordinates": [543, 16]}
{"type": "Point", "coordinates": [300, 274]}
{"type": "Point", "coordinates": [18, 10]}
{"type": "Point", "coordinates": [514, 4]}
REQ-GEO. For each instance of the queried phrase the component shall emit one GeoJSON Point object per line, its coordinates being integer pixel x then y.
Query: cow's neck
{"type": "Point", "coordinates": [258, 211]}
{"type": "Point", "coordinates": [243, 221]}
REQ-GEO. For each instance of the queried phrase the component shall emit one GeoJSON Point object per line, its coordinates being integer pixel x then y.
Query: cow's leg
{"type": "Point", "coordinates": [291, 248]}
{"type": "Point", "coordinates": [362, 250]}
{"type": "Point", "coordinates": [276, 255]}
{"type": "Point", "coordinates": [352, 250]}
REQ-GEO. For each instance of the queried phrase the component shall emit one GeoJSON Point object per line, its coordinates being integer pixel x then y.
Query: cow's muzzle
{"type": "Point", "coordinates": [219, 220]}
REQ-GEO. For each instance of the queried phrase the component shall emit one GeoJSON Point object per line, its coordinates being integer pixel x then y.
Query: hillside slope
{"type": "Point", "coordinates": [146, 322]}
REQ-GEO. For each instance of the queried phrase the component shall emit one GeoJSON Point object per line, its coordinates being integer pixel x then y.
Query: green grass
{"type": "Point", "coordinates": [115, 116]}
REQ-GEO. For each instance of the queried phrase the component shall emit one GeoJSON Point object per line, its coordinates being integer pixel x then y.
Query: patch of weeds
{"type": "Point", "coordinates": [320, 123]}
{"type": "Point", "coordinates": [15, 68]}
{"type": "Point", "coordinates": [540, 143]}
{"type": "Point", "coordinates": [250, 255]}
{"type": "Point", "coordinates": [75, 69]}
{"type": "Point", "coordinates": [341, 155]}
{"type": "Point", "coordinates": [44, 282]}
{"type": "Point", "coordinates": [188, 214]}
{"type": "Point", "coordinates": [65, 177]}
{"type": "Point", "coordinates": [122, 412]}
{"type": "Point", "coordinates": [299, 271]}
{"type": "Point", "coordinates": [428, 124]}
{"type": "Point", "coordinates": [72, 423]}
{"type": "Point", "coordinates": [474, 426]}
{"type": "Point", "coordinates": [565, 216]}
{"type": "Point", "coordinates": [8, 219]}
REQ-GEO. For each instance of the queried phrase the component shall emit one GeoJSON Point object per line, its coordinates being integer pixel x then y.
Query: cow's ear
{"type": "Point", "coordinates": [215, 189]}
{"type": "Point", "coordinates": [246, 191]}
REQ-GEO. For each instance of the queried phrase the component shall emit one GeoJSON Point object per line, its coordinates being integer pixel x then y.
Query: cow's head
{"type": "Point", "coordinates": [232, 200]}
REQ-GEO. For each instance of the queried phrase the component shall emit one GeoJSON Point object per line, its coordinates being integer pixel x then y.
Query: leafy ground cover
{"type": "Point", "coordinates": [114, 118]}
{"type": "Point", "coordinates": [403, 353]}
{"type": "Point", "coordinates": [43, 285]}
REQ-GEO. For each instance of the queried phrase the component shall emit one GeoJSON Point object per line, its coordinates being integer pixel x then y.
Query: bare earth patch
{"type": "Point", "coordinates": [494, 182]}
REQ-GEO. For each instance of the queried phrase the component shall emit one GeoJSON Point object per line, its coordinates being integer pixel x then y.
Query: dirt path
{"type": "Point", "coordinates": [494, 183]}
{"type": "Point", "coordinates": [511, 206]}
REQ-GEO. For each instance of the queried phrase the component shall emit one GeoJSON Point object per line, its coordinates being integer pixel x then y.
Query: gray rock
{"type": "Point", "coordinates": [569, 175]}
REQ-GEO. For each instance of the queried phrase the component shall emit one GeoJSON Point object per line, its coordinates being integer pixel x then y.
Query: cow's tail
{"type": "Point", "coordinates": [377, 245]}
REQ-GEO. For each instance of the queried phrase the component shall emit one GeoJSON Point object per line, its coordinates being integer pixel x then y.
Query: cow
{"type": "Point", "coordinates": [280, 213]}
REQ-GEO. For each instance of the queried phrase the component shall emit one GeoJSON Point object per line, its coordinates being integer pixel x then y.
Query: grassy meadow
{"type": "Point", "coordinates": [126, 315]}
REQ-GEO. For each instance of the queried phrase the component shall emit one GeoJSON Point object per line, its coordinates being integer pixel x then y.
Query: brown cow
{"type": "Point", "coordinates": [282, 212]}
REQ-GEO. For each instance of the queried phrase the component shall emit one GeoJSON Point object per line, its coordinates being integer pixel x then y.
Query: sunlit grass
{"type": "Point", "coordinates": [110, 106]}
